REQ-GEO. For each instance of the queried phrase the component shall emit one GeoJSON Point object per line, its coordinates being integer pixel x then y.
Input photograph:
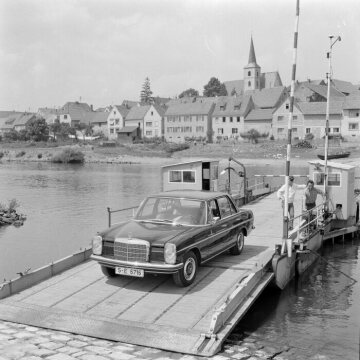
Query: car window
{"type": "Point", "coordinates": [182, 211]}
{"type": "Point", "coordinates": [225, 206]}
{"type": "Point", "coordinates": [214, 209]}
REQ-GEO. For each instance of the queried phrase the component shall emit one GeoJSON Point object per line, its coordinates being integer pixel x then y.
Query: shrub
{"type": "Point", "coordinates": [20, 154]}
{"type": "Point", "coordinates": [1, 154]}
{"type": "Point", "coordinates": [272, 137]}
{"type": "Point", "coordinates": [69, 156]}
{"type": "Point", "coordinates": [39, 156]}
{"type": "Point", "coordinates": [173, 147]}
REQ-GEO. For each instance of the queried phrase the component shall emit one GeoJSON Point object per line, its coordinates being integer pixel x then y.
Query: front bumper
{"type": "Point", "coordinates": [153, 268]}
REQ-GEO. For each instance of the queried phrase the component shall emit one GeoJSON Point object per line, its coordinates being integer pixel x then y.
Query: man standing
{"type": "Point", "coordinates": [291, 197]}
{"type": "Point", "coordinates": [311, 194]}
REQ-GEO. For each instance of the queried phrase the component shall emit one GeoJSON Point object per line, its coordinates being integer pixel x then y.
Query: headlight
{"type": "Point", "coordinates": [170, 253]}
{"type": "Point", "coordinates": [97, 245]}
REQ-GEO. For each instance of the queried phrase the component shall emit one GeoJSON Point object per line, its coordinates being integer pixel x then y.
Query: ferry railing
{"type": "Point", "coordinates": [310, 219]}
{"type": "Point", "coordinates": [126, 216]}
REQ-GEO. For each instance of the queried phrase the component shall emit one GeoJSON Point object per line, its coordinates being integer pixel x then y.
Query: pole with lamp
{"type": "Point", "coordinates": [328, 76]}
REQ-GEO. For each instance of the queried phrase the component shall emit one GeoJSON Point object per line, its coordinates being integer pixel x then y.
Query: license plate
{"type": "Point", "coordinates": [129, 271]}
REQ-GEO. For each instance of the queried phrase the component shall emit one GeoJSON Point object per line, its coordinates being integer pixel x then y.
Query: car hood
{"type": "Point", "coordinates": [156, 233]}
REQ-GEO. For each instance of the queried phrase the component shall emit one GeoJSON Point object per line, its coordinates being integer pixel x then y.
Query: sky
{"type": "Point", "coordinates": [100, 52]}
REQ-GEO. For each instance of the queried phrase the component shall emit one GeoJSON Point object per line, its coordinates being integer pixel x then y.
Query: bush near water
{"type": "Point", "coordinates": [69, 155]}
{"type": "Point", "coordinates": [8, 214]}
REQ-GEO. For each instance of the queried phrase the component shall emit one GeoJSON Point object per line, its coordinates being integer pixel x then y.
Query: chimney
{"type": "Point", "coordinates": [91, 107]}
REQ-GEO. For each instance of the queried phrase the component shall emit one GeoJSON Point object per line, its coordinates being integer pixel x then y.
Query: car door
{"type": "Point", "coordinates": [221, 213]}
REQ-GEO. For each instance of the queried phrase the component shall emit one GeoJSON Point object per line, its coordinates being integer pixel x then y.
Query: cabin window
{"type": "Point", "coordinates": [334, 179]}
{"type": "Point", "coordinates": [294, 117]}
{"type": "Point", "coordinates": [117, 121]}
{"type": "Point", "coordinates": [280, 130]}
{"type": "Point", "coordinates": [149, 133]}
{"type": "Point", "coordinates": [186, 176]}
{"type": "Point", "coordinates": [336, 130]}
{"type": "Point", "coordinates": [220, 131]}
{"type": "Point", "coordinates": [231, 119]}
{"type": "Point", "coordinates": [65, 116]}
{"type": "Point", "coordinates": [152, 113]}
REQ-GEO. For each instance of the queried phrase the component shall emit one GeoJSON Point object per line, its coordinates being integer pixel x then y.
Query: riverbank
{"type": "Point", "coordinates": [266, 152]}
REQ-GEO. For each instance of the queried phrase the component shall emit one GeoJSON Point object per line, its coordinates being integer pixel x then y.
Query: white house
{"type": "Point", "coordinates": [350, 125]}
{"type": "Point", "coordinates": [149, 118]}
{"type": "Point", "coordinates": [116, 120]}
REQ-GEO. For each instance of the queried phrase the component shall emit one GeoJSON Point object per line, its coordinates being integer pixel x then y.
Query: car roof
{"type": "Point", "coordinates": [191, 194]}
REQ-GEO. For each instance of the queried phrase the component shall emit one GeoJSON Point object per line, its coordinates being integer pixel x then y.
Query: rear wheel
{"type": "Point", "coordinates": [239, 246]}
{"type": "Point", "coordinates": [186, 275]}
{"type": "Point", "coordinates": [107, 271]}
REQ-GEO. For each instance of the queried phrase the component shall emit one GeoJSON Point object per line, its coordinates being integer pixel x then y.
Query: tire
{"type": "Point", "coordinates": [107, 271]}
{"type": "Point", "coordinates": [187, 274]}
{"type": "Point", "coordinates": [239, 246]}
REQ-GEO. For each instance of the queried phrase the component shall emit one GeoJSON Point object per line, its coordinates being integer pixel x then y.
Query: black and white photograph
{"type": "Point", "coordinates": [179, 179]}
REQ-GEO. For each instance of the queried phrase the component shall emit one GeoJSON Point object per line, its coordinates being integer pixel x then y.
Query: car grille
{"type": "Point", "coordinates": [131, 250]}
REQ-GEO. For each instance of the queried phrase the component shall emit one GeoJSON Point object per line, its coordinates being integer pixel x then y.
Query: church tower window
{"type": "Point", "coordinates": [249, 83]}
{"type": "Point", "coordinates": [249, 73]}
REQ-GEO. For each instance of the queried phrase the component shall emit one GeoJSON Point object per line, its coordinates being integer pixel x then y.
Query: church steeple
{"type": "Point", "coordinates": [252, 71]}
{"type": "Point", "coordinates": [252, 57]}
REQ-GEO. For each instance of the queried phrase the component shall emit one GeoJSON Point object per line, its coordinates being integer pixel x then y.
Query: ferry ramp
{"type": "Point", "coordinates": [152, 311]}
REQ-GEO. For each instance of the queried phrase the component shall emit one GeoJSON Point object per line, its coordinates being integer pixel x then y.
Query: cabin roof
{"type": "Point", "coordinates": [332, 164]}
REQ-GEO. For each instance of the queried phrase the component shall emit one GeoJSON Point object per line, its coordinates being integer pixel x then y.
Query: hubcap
{"type": "Point", "coordinates": [189, 268]}
{"type": "Point", "coordinates": [239, 242]}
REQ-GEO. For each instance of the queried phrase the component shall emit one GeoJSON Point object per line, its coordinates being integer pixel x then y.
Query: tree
{"type": "Point", "coordinates": [145, 95]}
{"type": "Point", "coordinates": [37, 129]}
{"type": "Point", "coordinates": [189, 93]}
{"type": "Point", "coordinates": [214, 88]}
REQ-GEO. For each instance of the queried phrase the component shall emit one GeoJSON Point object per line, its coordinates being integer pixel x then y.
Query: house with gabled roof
{"type": "Point", "coordinates": [99, 122]}
{"type": "Point", "coordinates": [344, 87]}
{"type": "Point", "coordinates": [308, 118]}
{"type": "Point", "coordinates": [228, 116]}
{"type": "Point", "coordinates": [189, 120]}
{"type": "Point", "coordinates": [148, 118]}
{"type": "Point", "coordinates": [350, 125]}
{"type": "Point", "coordinates": [116, 120]}
{"type": "Point", "coordinates": [74, 113]}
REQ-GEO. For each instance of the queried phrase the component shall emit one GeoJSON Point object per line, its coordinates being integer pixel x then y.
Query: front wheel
{"type": "Point", "coordinates": [186, 276]}
{"type": "Point", "coordinates": [107, 271]}
{"type": "Point", "coordinates": [239, 246]}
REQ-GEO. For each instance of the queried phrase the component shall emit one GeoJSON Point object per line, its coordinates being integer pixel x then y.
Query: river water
{"type": "Point", "coordinates": [65, 205]}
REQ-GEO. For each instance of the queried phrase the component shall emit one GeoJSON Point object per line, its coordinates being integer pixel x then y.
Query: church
{"type": "Point", "coordinates": [253, 78]}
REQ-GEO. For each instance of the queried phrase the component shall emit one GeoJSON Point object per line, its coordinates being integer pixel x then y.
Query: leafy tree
{"type": "Point", "coordinates": [189, 93]}
{"type": "Point", "coordinates": [233, 92]}
{"type": "Point", "coordinates": [214, 88]}
{"type": "Point", "coordinates": [65, 130]}
{"type": "Point", "coordinates": [37, 129]}
{"type": "Point", "coordinates": [23, 135]}
{"type": "Point", "coordinates": [145, 95]}
{"type": "Point", "coordinates": [55, 129]}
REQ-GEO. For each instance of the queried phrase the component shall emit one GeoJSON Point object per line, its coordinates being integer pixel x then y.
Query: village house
{"type": "Point", "coordinates": [116, 120]}
{"type": "Point", "coordinates": [308, 118]}
{"type": "Point", "coordinates": [228, 116]}
{"type": "Point", "coordinates": [49, 114]}
{"type": "Point", "coordinates": [350, 124]}
{"type": "Point", "coordinates": [189, 120]}
{"type": "Point", "coordinates": [74, 113]}
{"type": "Point", "coordinates": [98, 120]}
{"type": "Point", "coordinates": [148, 118]}
{"type": "Point", "coordinates": [16, 121]}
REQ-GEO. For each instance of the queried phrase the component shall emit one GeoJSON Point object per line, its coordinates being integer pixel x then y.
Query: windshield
{"type": "Point", "coordinates": [173, 210]}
